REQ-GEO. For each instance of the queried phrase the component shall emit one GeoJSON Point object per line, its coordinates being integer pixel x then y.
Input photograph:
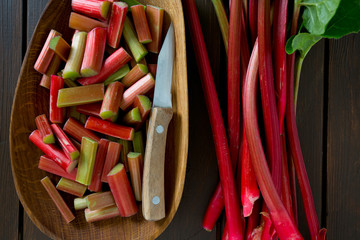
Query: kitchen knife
{"type": "Point", "coordinates": [153, 198]}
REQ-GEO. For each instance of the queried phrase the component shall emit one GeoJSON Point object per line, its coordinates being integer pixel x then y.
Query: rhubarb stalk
{"type": "Point", "coordinates": [71, 187]}
{"type": "Point", "coordinates": [68, 147]}
{"type": "Point", "coordinates": [223, 21]}
{"type": "Point", "coordinates": [45, 130]}
{"type": "Point", "coordinates": [135, 161]}
{"type": "Point", "coordinates": [49, 165]}
{"type": "Point", "coordinates": [57, 199]}
{"type": "Point", "coordinates": [52, 70]}
{"type": "Point", "coordinates": [96, 183]}
{"type": "Point", "coordinates": [116, 23]}
{"type": "Point", "coordinates": [92, 8]}
{"type": "Point", "coordinates": [141, 24]}
{"type": "Point", "coordinates": [46, 54]}
{"type": "Point", "coordinates": [285, 227]}
{"type": "Point", "coordinates": [60, 47]}
{"type": "Point", "coordinates": [86, 161]}
{"type": "Point", "coordinates": [100, 200]}
{"type": "Point", "coordinates": [83, 23]}
{"type": "Point", "coordinates": [137, 72]}
{"type": "Point", "coordinates": [56, 114]}
{"type": "Point", "coordinates": [111, 103]}
{"type": "Point", "coordinates": [233, 212]}
{"type": "Point", "coordinates": [76, 130]}
{"type": "Point", "coordinates": [101, 214]}
{"type": "Point", "coordinates": [155, 18]}
{"type": "Point", "coordinates": [73, 64]}
{"type": "Point", "coordinates": [112, 158]}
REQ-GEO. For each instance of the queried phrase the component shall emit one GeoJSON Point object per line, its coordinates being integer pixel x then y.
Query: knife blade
{"type": "Point", "coordinates": [153, 194]}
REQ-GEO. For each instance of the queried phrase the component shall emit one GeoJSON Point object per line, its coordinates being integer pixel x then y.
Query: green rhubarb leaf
{"type": "Point", "coordinates": [302, 42]}
{"type": "Point", "coordinates": [318, 13]}
{"type": "Point", "coordinates": [345, 21]}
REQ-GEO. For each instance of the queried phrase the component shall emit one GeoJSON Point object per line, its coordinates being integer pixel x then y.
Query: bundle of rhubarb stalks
{"type": "Point", "coordinates": [93, 137]}
{"type": "Point", "coordinates": [258, 171]}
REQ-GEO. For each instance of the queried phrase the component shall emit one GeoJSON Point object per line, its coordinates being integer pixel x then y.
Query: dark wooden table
{"type": "Point", "coordinates": [328, 119]}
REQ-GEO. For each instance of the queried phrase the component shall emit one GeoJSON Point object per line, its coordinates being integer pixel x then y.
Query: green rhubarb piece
{"type": "Point", "coordinates": [137, 49]}
{"type": "Point", "coordinates": [80, 95]}
{"type": "Point", "coordinates": [49, 139]}
{"type": "Point", "coordinates": [86, 161]}
{"type": "Point", "coordinates": [132, 117]}
{"type": "Point", "coordinates": [118, 75]}
{"type": "Point", "coordinates": [73, 64]}
{"type": "Point", "coordinates": [138, 143]}
{"type": "Point", "coordinates": [80, 203]}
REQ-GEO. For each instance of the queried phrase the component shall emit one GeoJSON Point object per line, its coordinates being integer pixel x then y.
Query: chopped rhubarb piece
{"type": "Point", "coordinates": [83, 23]}
{"type": "Point", "coordinates": [46, 55]}
{"type": "Point", "coordinates": [152, 69]}
{"type": "Point", "coordinates": [70, 83]}
{"type": "Point", "coordinates": [45, 130]}
{"type": "Point", "coordinates": [141, 24]}
{"type": "Point", "coordinates": [112, 158]}
{"type": "Point", "coordinates": [68, 147]}
{"type": "Point", "coordinates": [137, 49]}
{"type": "Point", "coordinates": [94, 52]}
{"type": "Point", "coordinates": [71, 187]}
{"type": "Point", "coordinates": [57, 199]}
{"type": "Point", "coordinates": [56, 114]}
{"type": "Point", "coordinates": [138, 143]}
{"type": "Point", "coordinates": [100, 200]}
{"type": "Point", "coordinates": [52, 70]}
{"type": "Point", "coordinates": [86, 161]}
{"type": "Point", "coordinates": [52, 152]}
{"type": "Point", "coordinates": [91, 109]}
{"type": "Point", "coordinates": [73, 64]}
{"type": "Point", "coordinates": [126, 148]}
{"type": "Point", "coordinates": [133, 62]}
{"type": "Point", "coordinates": [155, 18]}
{"type": "Point", "coordinates": [80, 203]}
{"type": "Point", "coordinates": [60, 47]}
{"type": "Point", "coordinates": [116, 23]}
{"type": "Point", "coordinates": [135, 161]}
{"type": "Point", "coordinates": [96, 183]}
{"type": "Point", "coordinates": [108, 128]}
{"type": "Point", "coordinates": [111, 103]}
{"type": "Point", "coordinates": [137, 72]}
{"type": "Point", "coordinates": [77, 130]}
{"type": "Point", "coordinates": [112, 64]}
{"type": "Point", "coordinates": [121, 190]}
{"type": "Point", "coordinates": [119, 74]}
{"type": "Point", "coordinates": [101, 214]}
{"type": "Point", "coordinates": [92, 8]}
{"type": "Point", "coordinates": [49, 165]}
{"type": "Point", "coordinates": [80, 95]}
{"type": "Point", "coordinates": [142, 86]}
{"type": "Point", "coordinates": [132, 117]}
{"type": "Point", "coordinates": [144, 104]}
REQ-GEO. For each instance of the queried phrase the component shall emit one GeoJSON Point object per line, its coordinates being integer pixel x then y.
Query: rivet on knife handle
{"type": "Point", "coordinates": [153, 199]}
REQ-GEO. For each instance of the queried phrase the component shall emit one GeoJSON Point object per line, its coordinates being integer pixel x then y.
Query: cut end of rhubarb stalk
{"type": "Point", "coordinates": [80, 203]}
{"type": "Point", "coordinates": [108, 114]}
{"type": "Point", "coordinates": [248, 204]}
{"type": "Point", "coordinates": [116, 169]}
{"type": "Point", "coordinates": [105, 9]}
{"type": "Point", "coordinates": [88, 72]}
{"type": "Point", "coordinates": [72, 166]}
{"type": "Point", "coordinates": [49, 139]}
{"type": "Point", "coordinates": [133, 154]}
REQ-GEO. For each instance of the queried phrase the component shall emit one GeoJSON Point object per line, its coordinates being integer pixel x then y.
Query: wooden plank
{"type": "Point", "coordinates": [343, 178]}
{"type": "Point", "coordinates": [310, 126]}
{"type": "Point", "coordinates": [202, 174]}
{"type": "Point", "coordinates": [34, 10]}
{"type": "Point", "coordinates": [10, 38]}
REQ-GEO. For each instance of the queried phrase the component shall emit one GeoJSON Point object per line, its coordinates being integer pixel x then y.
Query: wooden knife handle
{"type": "Point", "coordinates": [153, 198]}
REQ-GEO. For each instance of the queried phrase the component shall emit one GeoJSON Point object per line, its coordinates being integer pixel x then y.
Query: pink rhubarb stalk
{"type": "Point", "coordinates": [233, 211]}
{"type": "Point", "coordinates": [96, 183]}
{"type": "Point", "coordinates": [112, 158]}
{"type": "Point", "coordinates": [71, 187]}
{"type": "Point", "coordinates": [57, 199]}
{"type": "Point", "coordinates": [49, 165]}
{"type": "Point", "coordinates": [91, 109]}
{"type": "Point", "coordinates": [94, 52]}
{"type": "Point", "coordinates": [45, 130]}
{"type": "Point", "coordinates": [52, 152]}
{"type": "Point", "coordinates": [108, 128]}
{"type": "Point", "coordinates": [111, 103]}
{"type": "Point", "coordinates": [285, 227]}
{"type": "Point", "coordinates": [155, 18]}
{"type": "Point", "coordinates": [280, 57]}
{"type": "Point", "coordinates": [113, 63]}
{"type": "Point", "coordinates": [92, 8]}
{"type": "Point", "coordinates": [100, 200]}
{"type": "Point", "coordinates": [46, 55]}
{"type": "Point", "coordinates": [121, 190]}
{"type": "Point", "coordinates": [116, 23]}
{"type": "Point", "coordinates": [76, 130]}
{"type": "Point", "coordinates": [67, 146]}
{"type": "Point", "coordinates": [141, 23]}
{"type": "Point", "coordinates": [56, 114]}
{"type": "Point", "coordinates": [83, 23]}
{"type": "Point", "coordinates": [101, 214]}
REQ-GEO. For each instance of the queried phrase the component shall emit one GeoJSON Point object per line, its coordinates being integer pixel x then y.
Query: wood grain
{"type": "Point", "coordinates": [11, 55]}
{"type": "Point", "coordinates": [343, 165]}
{"type": "Point", "coordinates": [31, 100]}
{"type": "Point", "coordinates": [309, 118]}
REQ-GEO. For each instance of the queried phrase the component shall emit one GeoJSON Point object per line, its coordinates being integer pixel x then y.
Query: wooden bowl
{"type": "Point", "coordinates": [31, 100]}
